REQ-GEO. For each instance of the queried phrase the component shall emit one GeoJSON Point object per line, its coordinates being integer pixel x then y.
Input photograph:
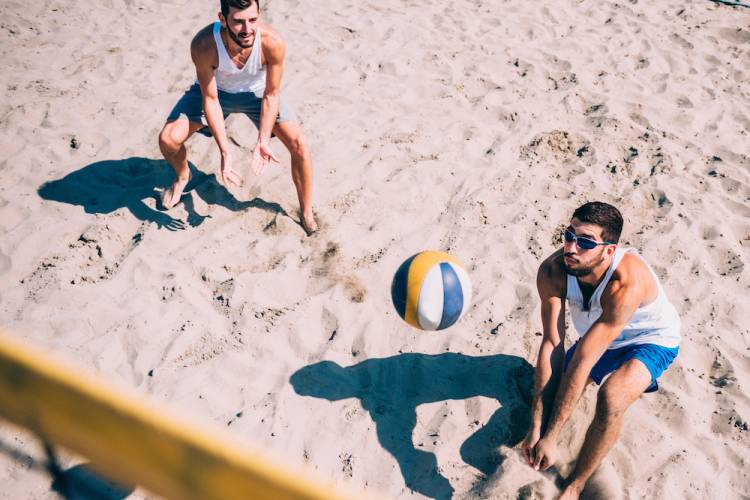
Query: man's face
{"type": "Point", "coordinates": [578, 261]}
{"type": "Point", "coordinates": [241, 25]}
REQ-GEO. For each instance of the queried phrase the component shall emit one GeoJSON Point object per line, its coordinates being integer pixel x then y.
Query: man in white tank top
{"type": "Point", "coordinates": [629, 332]}
{"type": "Point", "coordinates": [239, 62]}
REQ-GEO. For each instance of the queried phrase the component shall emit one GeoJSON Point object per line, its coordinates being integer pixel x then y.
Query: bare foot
{"type": "Point", "coordinates": [309, 224]}
{"type": "Point", "coordinates": [171, 196]}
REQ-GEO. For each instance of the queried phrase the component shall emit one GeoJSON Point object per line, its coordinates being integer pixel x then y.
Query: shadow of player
{"type": "Point", "coordinates": [106, 186]}
{"type": "Point", "coordinates": [391, 389]}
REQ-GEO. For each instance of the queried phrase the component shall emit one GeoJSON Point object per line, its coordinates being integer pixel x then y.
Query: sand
{"type": "Point", "coordinates": [474, 128]}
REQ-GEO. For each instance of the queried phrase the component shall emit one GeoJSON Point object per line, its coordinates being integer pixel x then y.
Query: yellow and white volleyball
{"type": "Point", "coordinates": [431, 290]}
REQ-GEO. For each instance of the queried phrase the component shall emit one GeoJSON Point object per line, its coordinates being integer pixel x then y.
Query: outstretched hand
{"type": "Point", "coordinates": [262, 156]}
{"type": "Point", "coordinates": [228, 174]}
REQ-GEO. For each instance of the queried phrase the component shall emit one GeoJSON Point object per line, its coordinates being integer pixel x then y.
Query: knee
{"type": "Point", "coordinates": [610, 403]}
{"type": "Point", "coordinates": [298, 146]}
{"type": "Point", "coordinates": [167, 141]}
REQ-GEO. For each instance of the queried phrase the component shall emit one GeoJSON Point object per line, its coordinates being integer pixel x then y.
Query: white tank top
{"type": "Point", "coordinates": [252, 76]}
{"type": "Point", "coordinates": [655, 323]}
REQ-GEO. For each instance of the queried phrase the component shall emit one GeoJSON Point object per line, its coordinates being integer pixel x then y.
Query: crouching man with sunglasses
{"type": "Point", "coordinates": [629, 330]}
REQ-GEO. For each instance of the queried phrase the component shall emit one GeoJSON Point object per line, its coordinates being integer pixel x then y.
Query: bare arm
{"type": "Point", "coordinates": [549, 364]}
{"type": "Point", "coordinates": [205, 58]}
{"type": "Point", "coordinates": [273, 50]}
{"type": "Point", "coordinates": [203, 52]}
{"type": "Point", "coordinates": [619, 301]}
{"type": "Point", "coordinates": [551, 287]}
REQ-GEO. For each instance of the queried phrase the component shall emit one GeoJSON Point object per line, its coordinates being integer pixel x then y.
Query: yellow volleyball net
{"type": "Point", "coordinates": [133, 442]}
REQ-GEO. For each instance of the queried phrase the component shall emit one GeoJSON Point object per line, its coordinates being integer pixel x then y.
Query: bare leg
{"type": "Point", "coordinates": [290, 133]}
{"type": "Point", "coordinates": [620, 390]}
{"type": "Point", "coordinates": [172, 144]}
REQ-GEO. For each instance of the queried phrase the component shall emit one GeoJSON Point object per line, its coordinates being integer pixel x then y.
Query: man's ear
{"type": "Point", "coordinates": [223, 20]}
{"type": "Point", "coordinates": [611, 250]}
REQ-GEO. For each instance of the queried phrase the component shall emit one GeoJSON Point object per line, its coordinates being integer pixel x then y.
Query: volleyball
{"type": "Point", "coordinates": [431, 290]}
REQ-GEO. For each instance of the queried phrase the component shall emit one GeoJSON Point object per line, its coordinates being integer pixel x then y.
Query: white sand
{"type": "Point", "coordinates": [473, 127]}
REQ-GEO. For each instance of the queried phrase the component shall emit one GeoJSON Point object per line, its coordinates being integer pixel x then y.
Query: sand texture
{"type": "Point", "coordinates": [469, 127]}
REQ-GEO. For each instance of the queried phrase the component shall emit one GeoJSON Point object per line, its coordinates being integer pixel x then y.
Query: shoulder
{"type": "Point", "coordinates": [628, 283]}
{"type": "Point", "coordinates": [551, 278]}
{"type": "Point", "coordinates": [203, 44]}
{"type": "Point", "coordinates": [204, 39]}
{"type": "Point", "coordinates": [631, 270]}
{"type": "Point", "coordinates": [272, 42]}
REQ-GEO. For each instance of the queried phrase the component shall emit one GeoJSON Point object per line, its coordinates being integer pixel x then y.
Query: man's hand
{"type": "Point", "coordinates": [228, 174]}
{"type": "Point", "coordinates": [545, 453]}
{"type": "Point", "coordinates": [528, 444]}
{"type": "Point", "coordinates": [570, 493]}
{"type": "Point", "coordinates": [262, 155]}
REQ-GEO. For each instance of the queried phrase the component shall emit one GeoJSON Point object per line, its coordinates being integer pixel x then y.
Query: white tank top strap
{"type": "Point", "coordinates": [221, 50]}
{"type": "Point", "coordinates": [655, 323]}
{"type": "Point", "coordinates": [616, 259]}
{"type": "Point", "coordinates": [229, 78]}
{"type": "Point", "coordinates": [620, 253]}
{"type": "Point", "coordinates": [575, 294]}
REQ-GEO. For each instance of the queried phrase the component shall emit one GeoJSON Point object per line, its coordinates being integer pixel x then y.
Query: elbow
{"type": "Point", "coordinates": [548, 347]}
{"type": "Point", "coordinates": [552, 343]}
{"type": "Point", "coordinates": [551, 355]}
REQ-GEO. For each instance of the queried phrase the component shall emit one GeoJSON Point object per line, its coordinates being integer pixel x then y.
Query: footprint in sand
{"type": "Point", "coordinates": [5, 262]}
{"type": "Point", "coordinates": [739, 36]}
{"type": "Point", "coordinates": [330, 270]}
{"type": "Point", "coordinates": [330, 323]}
{"type": "Point", "coordinates": [100, 252]}
{"type": "Point", "coordinates": [96, 255]}
{"type": "Point", "coordinates": [556, 146]}
{"type": "Point", "coordinates": [726, 420]}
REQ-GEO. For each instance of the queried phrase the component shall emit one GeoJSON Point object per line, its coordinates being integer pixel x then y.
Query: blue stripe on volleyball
{"type": "Point", "coordinates": [400, 286]}
{"type": "Point", "coordinates": [453, 296]}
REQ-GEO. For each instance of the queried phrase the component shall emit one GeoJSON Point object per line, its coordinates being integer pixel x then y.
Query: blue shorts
{"type": "Point", "coordinates": [655, 357]}
{"type": "Point", "coordinates": [190, 107]}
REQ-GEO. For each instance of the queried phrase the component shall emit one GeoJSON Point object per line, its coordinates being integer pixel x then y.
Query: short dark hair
{"type": "Point", "coordinates": [603, 215]}
{"type": "Point", "coordinates": [237, 4]}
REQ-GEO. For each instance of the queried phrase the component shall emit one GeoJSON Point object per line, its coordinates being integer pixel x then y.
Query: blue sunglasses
{"type": "Point", "coordinates": [583, 243]}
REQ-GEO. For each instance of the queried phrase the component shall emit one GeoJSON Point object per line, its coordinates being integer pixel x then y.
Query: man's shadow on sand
{"type": "Point", "coordinates": [106, 186]}
{"type": "Point", "coordinates": [390, 389]}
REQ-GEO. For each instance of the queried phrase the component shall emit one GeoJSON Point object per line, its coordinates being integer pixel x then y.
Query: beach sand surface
{"type": "Point", "coordinates": [474, 128]}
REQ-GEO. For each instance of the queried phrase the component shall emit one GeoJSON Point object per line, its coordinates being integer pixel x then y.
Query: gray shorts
{"type": "Point", "coordinates": [190, 107]}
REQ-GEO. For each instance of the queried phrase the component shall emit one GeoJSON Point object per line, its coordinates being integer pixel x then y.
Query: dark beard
{"type": "Point", "coordinates": [236, 39]}
{"type": "Point", "coordinates": [578, 272]}
{"type": "Point", "coordinates": [584, 271]}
